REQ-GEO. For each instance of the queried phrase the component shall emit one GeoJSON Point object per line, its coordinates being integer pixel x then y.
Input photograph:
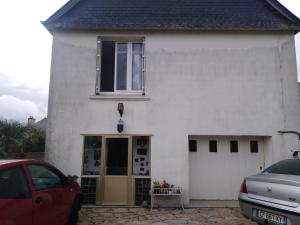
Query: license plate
{"type": "Point", "coordinates": [263, 215]}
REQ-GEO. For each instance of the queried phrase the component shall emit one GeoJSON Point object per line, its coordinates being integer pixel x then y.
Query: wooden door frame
{"type": "Point", "coordinates": [100, 191]}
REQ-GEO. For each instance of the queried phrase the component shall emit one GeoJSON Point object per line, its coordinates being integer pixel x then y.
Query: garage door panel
{"type": "Point", "coordinates": [217, 175]}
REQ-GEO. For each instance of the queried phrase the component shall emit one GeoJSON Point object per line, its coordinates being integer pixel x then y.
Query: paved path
{"type": "Point", "coordinates": [162, 216]}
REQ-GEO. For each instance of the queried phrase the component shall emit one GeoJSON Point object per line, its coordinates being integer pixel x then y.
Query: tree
{"type": "Point", "coordinates": [33, 140]}
{"type": "Point", "coordinates": [2, 153]}
{"type": "Point", "coordinates": [18, 138]}
{"type": "Point", "coordinates": [11, 133]}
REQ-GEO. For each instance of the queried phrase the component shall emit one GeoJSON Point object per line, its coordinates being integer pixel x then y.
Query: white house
{"type": "Point", "coordinates": [204, 87]}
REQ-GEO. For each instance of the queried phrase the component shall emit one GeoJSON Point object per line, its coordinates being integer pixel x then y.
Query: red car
{"type": "Point", "coordinates": [33, 192]}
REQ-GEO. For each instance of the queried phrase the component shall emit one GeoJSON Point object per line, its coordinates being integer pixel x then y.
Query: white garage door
{"type": "Point", "coordinates": [217, 175]}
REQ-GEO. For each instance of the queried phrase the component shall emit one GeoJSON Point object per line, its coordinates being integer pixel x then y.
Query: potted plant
{"type": "Point", "coordinates": [173, 190]}
{"type": "Point", "coordinates": [156, 186]}
{"type": "Point", "coordinates": [165, 185]}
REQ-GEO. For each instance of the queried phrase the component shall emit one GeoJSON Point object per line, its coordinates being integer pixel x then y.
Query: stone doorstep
{"type": "Point", "coordinates": [193, 204]}
{"type": "Point", "coordinates": [112, 206]}
{"type": "Point", "coordinates": [213, 204]}
{"type": "Point", "coordinates": [161, 207]}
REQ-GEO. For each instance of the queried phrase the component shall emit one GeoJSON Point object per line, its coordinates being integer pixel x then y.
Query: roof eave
{"type": "Point", "coordinates": [52, 28]}
{"type": "Point", "coordinates": [47, 27]}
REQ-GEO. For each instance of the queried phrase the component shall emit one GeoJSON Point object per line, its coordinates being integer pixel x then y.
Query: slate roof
{"type": "Point", "coordinates": [262, 15]}
{"type": "Point", "coordinates": [42, 124]}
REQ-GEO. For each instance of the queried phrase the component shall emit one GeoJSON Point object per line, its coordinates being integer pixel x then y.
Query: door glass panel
{"type": "Point", "coordinates": [92, 155]}
{"type": "Point", "coordinates": [121, 66]}
{"type": "Point", "coordinates": [141, 156]}
{"type": "Point", "coordinates": [117, 156]}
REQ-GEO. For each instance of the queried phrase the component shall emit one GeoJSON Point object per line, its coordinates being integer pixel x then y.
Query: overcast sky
{"type": "Point", "coordinates": [25, 53]}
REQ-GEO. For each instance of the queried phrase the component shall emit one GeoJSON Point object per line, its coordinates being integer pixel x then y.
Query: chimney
{"type": "Point", "coordinates": [31, 121]}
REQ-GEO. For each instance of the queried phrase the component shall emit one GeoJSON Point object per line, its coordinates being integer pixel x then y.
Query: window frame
{"type": "Point", "coordinates": [129, 54]}
{"type": "Point", "coordinates": [129, 41]}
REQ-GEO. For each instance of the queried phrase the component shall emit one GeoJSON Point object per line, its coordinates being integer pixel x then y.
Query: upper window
{"type": "Point", "coordinates": [13, 184]}
{"type": "Point", "coordinates": [44, 177]}
{"type": "Point", "coordinates": [120, 67]}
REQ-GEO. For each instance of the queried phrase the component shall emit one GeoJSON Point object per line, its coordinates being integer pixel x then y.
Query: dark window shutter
{"type": "Point", "coordinates": [253, 146]}
{"type": "Point", "coordinates": [213, 146]}
{"type": "Point", "coordinates": [192, 145]}
{"type": "Point", "coordinates": [107, 66]}
{"type": "Point", "coordinates": [234, 146]}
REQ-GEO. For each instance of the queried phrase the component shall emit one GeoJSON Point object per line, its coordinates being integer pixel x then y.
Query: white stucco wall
{"type": "Point", "coordinates": [198, 84]}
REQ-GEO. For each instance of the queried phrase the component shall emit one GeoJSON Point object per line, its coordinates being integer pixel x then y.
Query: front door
{"type": "Point", "coordinates": [117, 171]}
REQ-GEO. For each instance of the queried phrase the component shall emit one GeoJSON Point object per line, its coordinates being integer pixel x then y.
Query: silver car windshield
{"type": "Point", "coordinates": [287, 167]}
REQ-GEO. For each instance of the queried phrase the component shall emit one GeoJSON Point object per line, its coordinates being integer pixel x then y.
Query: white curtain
{"type": "Point", "coordinates": [137, 66]}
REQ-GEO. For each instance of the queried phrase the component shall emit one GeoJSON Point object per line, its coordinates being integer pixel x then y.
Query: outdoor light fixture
{"type": "Point", "coordinates": [120, 126]}
{"type": "Point", "coordinates": [295, 153]}
{"type": "Point", "coordinates": [290, 132]}
{"type": "Point", "coordinates": [121, 108]}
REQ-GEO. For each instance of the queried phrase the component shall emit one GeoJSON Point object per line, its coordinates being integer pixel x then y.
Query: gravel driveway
{"type": "Point", "coordinates": [162, 216]}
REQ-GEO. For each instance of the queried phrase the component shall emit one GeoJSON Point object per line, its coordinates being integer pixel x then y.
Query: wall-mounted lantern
{"type": "Point", "coordinates": [290, 132]}
{"type": "Point", "coordinates": [120, 126]}
{"type": "Point", "coordinates": [295, 153]}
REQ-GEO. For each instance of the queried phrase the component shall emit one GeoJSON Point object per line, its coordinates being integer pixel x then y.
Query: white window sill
{"type": "Point", "coordinates": [90, 176]}
{"type": "Point", "coordinates": [120, 97]}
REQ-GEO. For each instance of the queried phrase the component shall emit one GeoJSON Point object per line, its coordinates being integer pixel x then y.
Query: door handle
{"type": "Point", "coordinates": [39, 200]}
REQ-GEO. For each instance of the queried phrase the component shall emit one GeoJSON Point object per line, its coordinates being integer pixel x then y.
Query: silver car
{"type": "Point", "coordinates": [273, 196]}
